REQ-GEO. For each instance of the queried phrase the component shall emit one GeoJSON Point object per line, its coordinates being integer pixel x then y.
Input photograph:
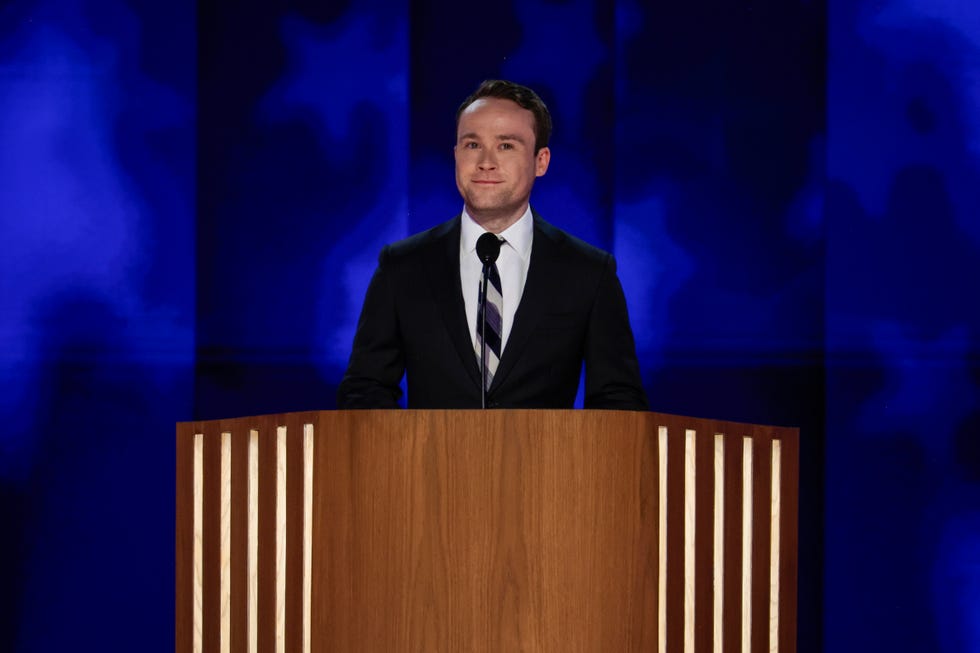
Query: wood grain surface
{"type": "Point", "coordinates": [493, 531]}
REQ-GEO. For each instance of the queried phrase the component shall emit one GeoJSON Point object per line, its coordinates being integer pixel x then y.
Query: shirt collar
{"type": "Point", "coordinates": [517, 235]}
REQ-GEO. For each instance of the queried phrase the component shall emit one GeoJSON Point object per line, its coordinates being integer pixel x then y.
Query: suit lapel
{"type": "Point", "coordinates": [539, 288]}
{"type": "Point", "coordinates": [442, 269]}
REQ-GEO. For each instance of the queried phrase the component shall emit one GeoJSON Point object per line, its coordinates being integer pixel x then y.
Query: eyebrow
{"type": "Point", "coordinates": [500, 137]}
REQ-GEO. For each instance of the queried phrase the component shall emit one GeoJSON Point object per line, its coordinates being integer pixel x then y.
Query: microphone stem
{"type": "Point", "coordinates": [483, 337]}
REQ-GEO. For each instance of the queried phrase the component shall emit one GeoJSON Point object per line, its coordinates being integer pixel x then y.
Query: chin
{"type": "Point", "coordinates": [486, 204]}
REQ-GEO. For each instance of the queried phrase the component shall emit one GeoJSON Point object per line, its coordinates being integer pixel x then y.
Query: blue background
{"type": "Point", "coordinates": [193, 196]}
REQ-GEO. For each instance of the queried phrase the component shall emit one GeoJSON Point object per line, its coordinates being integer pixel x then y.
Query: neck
{"type": "Point", "coordinates": [495, 221]}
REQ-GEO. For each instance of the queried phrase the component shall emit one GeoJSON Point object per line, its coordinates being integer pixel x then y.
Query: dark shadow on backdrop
{"type": "Point", "coordinates": [94, 528]}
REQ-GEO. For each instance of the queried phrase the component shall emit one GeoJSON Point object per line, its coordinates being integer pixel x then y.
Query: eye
{"type": "Point", "coordinates": [507, 146]}
{"type": "Point", "coordinates": [470, 145]}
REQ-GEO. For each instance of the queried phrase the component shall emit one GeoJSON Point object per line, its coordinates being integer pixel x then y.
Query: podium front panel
{"type": "Point", "coordinates": [485, 531]}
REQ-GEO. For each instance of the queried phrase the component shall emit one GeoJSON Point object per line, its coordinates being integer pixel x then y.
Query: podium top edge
{"type": "Point", "coordinates": [654, 418]}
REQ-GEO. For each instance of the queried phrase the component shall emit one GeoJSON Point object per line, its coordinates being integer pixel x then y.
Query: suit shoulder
{"type": "Point", "coordinates": [420, 243]}
{"type": "Point", "coordinates": [572, 246]}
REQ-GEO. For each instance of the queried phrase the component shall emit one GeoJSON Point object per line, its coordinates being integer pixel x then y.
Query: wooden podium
{"type": "Point", "coordinates": [499, 531]}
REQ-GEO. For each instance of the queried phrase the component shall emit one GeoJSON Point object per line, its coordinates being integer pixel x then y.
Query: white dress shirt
{"type": "Point", "coordinates": [515, 257]}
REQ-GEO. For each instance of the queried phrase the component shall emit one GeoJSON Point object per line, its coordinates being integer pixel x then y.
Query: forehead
{"type": "Point", "coordinates": [495, 115]}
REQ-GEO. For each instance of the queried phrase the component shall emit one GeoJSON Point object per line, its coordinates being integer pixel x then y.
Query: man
{"type": "Point", "coordinates": [553, 303]}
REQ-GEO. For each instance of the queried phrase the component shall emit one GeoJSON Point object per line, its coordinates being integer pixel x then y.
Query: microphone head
{"type": "Point", "coordinates": [488, 248]}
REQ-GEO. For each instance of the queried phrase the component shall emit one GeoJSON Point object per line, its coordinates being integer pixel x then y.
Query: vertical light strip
{"type": "Point", "coordinates": [197, 618]}
{"type": "Point", "coordinates": [307, 534]}
{"type": "Point", "coordinates": [746, 545]}
{"type": "Point", "coordinates": [690, 496]}
{"type": "Point", "coordinates": [280, 539]}
{"type": "Point", "coordinates": [253, 541]}
{"type": "Point", "coordinates": [224, 642]}
{"type": "Point", "coordinates": [662, 540]}
{"type": "Point", "coordinates": [718, 586]}
{"type": "Point", "coordinates": [774, 531]}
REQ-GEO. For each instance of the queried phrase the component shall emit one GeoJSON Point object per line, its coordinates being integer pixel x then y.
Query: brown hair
{"type": "Point", "coordinates": [523, 97]}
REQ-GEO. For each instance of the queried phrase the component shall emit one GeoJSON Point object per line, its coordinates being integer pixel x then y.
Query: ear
{"type": "Point", "coordinates": [541, 161]}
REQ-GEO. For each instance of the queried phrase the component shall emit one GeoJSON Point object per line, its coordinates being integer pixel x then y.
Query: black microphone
{"type": "Point", "coordinates": [487, 249]}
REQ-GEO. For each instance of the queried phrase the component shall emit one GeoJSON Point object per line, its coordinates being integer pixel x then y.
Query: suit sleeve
{"type": "Point", "coordinates": [377, 361]}
{"type": "Point", "coordinates": [612, 372]}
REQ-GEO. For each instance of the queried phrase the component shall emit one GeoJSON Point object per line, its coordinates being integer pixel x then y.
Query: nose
{"type": "Point", "coordinates": [487, 160]}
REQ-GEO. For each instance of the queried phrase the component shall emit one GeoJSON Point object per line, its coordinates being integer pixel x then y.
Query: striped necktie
{"type": "Point", "coordinates": [495, 309]}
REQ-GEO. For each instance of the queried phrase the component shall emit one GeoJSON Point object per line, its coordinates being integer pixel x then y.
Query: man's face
{"type": "Point", "coordinates": [495, 160]}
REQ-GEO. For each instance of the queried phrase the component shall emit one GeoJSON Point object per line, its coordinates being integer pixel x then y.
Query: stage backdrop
{"type": "Point", "coordinates": [193, 197]}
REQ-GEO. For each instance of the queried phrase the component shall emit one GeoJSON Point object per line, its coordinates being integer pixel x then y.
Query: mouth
{"type": "Point", "coordinates": [486, 182]}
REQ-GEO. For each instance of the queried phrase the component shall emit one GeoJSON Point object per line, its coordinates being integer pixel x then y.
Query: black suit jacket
{"type": "Point", "coordinates": [413, 322]}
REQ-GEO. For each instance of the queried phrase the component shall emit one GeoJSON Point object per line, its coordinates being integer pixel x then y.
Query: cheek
{"type": "Point", "coordinates": [465, 161]}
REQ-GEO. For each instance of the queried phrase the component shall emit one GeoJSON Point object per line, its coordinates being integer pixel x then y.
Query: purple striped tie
{"type": "Point", "coordinates": [495, 310]}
